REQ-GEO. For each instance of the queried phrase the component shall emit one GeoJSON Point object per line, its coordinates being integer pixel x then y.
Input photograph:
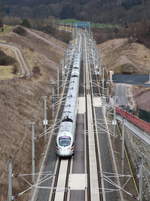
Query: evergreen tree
{"type": "Point", "coordinates": [26, 23]}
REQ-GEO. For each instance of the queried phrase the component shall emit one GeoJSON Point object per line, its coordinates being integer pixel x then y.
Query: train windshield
{"type": "Point", "coordinates": [64, 141]}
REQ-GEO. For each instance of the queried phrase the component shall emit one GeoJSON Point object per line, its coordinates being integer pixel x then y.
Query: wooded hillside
{"type": "Point", "coordinates": [103, 11]}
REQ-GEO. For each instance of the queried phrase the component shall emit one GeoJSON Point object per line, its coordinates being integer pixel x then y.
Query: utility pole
{"type": "Point", "coordinates": [89, 28]}
{"type": "Point", "coordinates": [58, 83]}
{"type": "Point", "coordinates": [65, 58]}
{"type": "Point", "coordinates": [75, 30]}
{"type": "Point", "coordinates": [62, 68]}
{"type": "Point", "coordinates": [103, 79]}
{"type": "Point", "coordinates": [114, 121]}
{"type": "Point", "coordinates": [123, 146]}
{"type": "Point", "coordinates": [53, 101]}
{"type": "Point", "coordinates": [52, 84]}
{"type": "Point", "coordinates": [10, 176]}
{"type": "Point", "coordinates": [61, 73]}
{"type": "Point", "coordinates": [148, 82]}
{"type": "Point", "coordinates": [45, 120]}
{"type": "Point", "coordinates": [141, 181]}
{"type": "Point", "coordinates": [33, 152]}
{"type": "Point", "coordinates": [72, 32]}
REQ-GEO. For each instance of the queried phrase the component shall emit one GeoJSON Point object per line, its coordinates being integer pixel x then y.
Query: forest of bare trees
{"type": "Point", "coordinates": [114, 11]}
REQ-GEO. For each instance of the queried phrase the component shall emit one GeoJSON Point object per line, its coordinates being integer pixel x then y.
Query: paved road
{"type": "Point", "coordinates": [124, 96]}
{"type": "Point", "coordinates": [121, 95]}
{"type": "Point", "coordinates": [24, 69]}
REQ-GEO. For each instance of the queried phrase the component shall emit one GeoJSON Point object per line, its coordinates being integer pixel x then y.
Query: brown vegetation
{"type": "Point", "coordinates": [15, 69]}
{"type": "Point", "coordinates": [20, 30]}
{"type": "Point", "coordinates": [6, 60]}
{"type": "Point", "coordinates": [136, 32]}
{"type": "Point", "coordinates": [20, 103]}
{"type": "Point", "coordinates": [142, 97]}
{"type": "Point", "coordinates": [103, 11]}
{"type": "Point", "coordinates": [36, 71]}
{"type": "Point", "coordinates": [122, 56]}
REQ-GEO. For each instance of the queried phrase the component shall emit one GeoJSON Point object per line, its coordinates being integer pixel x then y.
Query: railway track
{"type": "Point", "coordinates": [92, 154]}
{"type": "Point", "coordinates": [60, 189]}
{"type": "Point", "coordinates": [103, 145]}
{"type": "Point", "coordinates": [83, 176]}
{"type": "Point", "coordinates": [114, 166]}
{"type": "Point", "coordinates": [65, 188]}
{"type": "Point", "coordinates": [47, 189]}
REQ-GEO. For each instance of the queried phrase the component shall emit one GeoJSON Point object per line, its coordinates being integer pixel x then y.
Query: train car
{"type": "Point", "coordinates": [66, 134]}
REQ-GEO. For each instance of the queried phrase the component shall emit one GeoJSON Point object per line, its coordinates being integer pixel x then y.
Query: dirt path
{"type": "Point", "coordinates": [45, 40]}
{"type": "Point", "coordinates": [24, 69]}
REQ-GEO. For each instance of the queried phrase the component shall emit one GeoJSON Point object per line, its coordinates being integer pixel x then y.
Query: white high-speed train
{"type": "Point", "coordinates": [66, 134]}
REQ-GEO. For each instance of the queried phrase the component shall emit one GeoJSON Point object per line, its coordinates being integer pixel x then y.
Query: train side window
{"type": "Point", "coordinates": [74, 76]}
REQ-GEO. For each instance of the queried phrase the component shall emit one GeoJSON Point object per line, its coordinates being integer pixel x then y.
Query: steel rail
{"type": "Point", "coordinates": [35, 192]}
{"type": "Point", "coordinates": [103, 198]}
{"type": "Point", "coordinates": [61, 191]}
{"type": "Point", "coordinates": [85, 137]}
{"type": "Point", "coordinates": [93, 172]}
{"type": "Point", "coordinates": [114, 162]}
{"type": "Point", "coordinates": [61, 181]}
{"type": "Point", "coordinates": [112, 152]}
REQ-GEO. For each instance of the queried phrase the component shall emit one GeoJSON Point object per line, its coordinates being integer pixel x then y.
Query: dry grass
{"type": "Point", "coordinates": [6, 72]}
{"type": "Point", "coordinates": [20, 102]}
{"type": "Point", "coordinates": [142, 97]}
{"type": "Point", "coordinates": [122, 56]}
{"type": "Point", "coordinates": [119, 54]}
{"type": "Point", "coordinates": [7, 29]}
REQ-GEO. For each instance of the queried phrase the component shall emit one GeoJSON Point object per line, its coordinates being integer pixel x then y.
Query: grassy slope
{"type": "Point", "coordinates": [6, 72]}
{"type": "Point", "coordinates": [20, 103]}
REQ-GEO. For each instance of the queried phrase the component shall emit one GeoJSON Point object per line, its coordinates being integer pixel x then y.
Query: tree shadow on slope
{"type": "Point", "coordinates": [6, 60]}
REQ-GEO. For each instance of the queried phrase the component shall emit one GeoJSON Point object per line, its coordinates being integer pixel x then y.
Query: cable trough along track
{"type": "Point", "coordinates": [60, 190]}
{"type": "Point", "coordinates": [92, 153]}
